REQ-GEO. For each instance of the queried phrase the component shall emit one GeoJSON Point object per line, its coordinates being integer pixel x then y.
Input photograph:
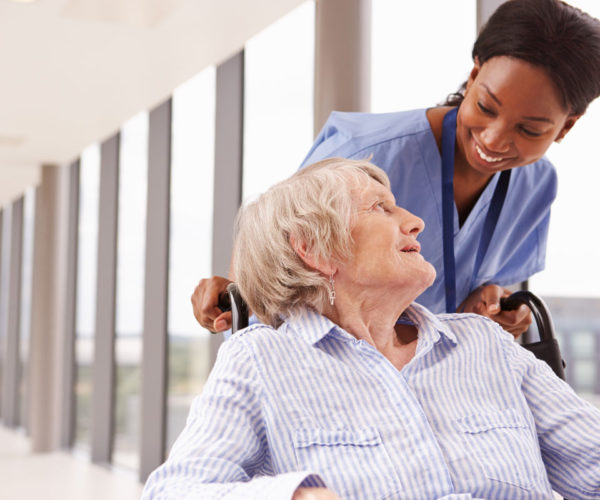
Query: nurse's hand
{"type": "Point", "coordinates": [485, 300]}
{"type": "Point", "coordinates": [314, 494]}
{"type": "Point", "coordinates": [205, 301]}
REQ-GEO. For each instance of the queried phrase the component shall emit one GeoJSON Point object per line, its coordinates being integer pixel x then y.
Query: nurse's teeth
{"type": "Point", "coordinates": [486, 157]}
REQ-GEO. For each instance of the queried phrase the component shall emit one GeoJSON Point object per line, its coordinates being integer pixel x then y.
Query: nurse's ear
{"type": "Point", "coordinates": [571, 120]}
{"type": "Point", "coordinates": [473, 74]}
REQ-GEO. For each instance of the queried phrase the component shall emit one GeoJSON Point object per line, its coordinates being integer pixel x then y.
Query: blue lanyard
{"type": "Point", "coordinates": [491, 220]}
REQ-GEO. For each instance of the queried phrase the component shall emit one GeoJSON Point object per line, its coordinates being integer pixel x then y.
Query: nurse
{"type": "Point", "coordinates": [536, 69]}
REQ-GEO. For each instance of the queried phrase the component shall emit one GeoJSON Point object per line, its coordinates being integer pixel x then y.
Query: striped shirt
{"type": "Point", "coordinates": [472, 415]}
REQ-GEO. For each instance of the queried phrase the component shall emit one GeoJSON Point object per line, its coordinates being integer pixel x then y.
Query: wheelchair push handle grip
{"type": "Point", "coordinates": [538, 308]}
{"type": "Point", "coordinates": [224, 302]}
{"type": "Point", "coordinates": [547, 348]}
{"type": "Point", "coordinates": [237, 306]}
{"type": "Point", "coordinates": [231, 300]}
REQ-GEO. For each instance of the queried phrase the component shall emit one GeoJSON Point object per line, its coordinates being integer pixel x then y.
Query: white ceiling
{"type": "Point", "coordinates": [74, 70]}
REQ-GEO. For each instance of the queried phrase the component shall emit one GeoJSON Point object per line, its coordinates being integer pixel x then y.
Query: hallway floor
{"type": "Point", "coordinates": [27, 476]}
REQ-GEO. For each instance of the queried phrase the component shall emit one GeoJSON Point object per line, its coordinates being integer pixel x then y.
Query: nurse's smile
{"type": "Point", "coordinates": [511, 114]}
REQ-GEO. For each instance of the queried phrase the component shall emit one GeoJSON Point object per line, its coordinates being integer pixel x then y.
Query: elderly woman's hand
{"type": "Point", "coordinates": [314, 494]}
{"type": "Point", "coordinates": [485, 300]}
{"type": "Point", "coordinates": [205, 301]}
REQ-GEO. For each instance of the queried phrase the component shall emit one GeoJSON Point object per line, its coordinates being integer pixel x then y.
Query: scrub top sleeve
{"type": "Point", "coordinates": [528, 259]}
{"type": "Point", "coordinates": [334, 139]}
{"type": "Point", "coordinates": [521, 242]}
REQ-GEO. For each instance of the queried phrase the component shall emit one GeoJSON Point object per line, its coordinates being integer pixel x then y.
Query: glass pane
{"type": "Point", "coordinates": [584, 375]}
{"type": "Point", "coordinates": [190, 240]}
{"type": "Point", "coordinates": [411, 68]}
{"type": "Point", "coordinates": [25, 313]}
{"type": "Point", "coordinates": [583, 345]}
{"type": "Point", "coordinates": [85, 315]}
{"type": "Point", "coordinates": [278, 99]}
{"type": "Point", "coordinates": [131, 247]}
{"type": "Point", "coordinates": [572, 270]}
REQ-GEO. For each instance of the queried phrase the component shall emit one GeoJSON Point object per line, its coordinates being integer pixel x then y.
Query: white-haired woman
{"type": "Point", "coordinates": [353, 391]}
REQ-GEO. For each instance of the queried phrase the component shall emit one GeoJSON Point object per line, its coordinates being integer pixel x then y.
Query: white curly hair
{"type": "Point", "coordinates": [316, 206]}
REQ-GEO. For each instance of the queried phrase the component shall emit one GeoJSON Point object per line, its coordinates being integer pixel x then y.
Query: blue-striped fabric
{"type": "Point", "coordinates": [473, 415]}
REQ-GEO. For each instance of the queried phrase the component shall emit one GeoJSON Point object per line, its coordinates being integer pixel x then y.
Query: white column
{"type": "Point", "coordinates": [11, 351]}
{"type": "Point", "coordinates": [485, 8]}
{"type": "Point", "coordinates": [155, 347]}
{"type": "Point", "coordinates": [104, 377]}
{"type": "Point", "coordinates": [342, 57]}
{"type": "Point", "coordinates": [47, 359]}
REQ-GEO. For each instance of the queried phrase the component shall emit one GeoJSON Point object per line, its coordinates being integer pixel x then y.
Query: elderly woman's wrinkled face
{"type": "Point", "coordinates": [386, 253]}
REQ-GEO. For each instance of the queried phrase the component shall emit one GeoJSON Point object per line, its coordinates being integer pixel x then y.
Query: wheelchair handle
{"type": "Point", "coordinates": [547, 348]}
{"type": "Point", "coordinates": [538, 308]}
{"type": "Point", "coordinates": [238, 307]}
{"type": "Point", "coordinates": [224, 302]}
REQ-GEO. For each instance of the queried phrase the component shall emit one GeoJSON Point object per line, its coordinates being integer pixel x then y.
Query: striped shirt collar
{"type": "Point", "coordinates": [313, 327]}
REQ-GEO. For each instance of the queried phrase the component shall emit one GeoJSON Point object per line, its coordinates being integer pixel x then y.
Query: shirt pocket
{"type": "Point", "coordinates": [353, 462]}
{"type": "Point", "coordinates": [502, 443]}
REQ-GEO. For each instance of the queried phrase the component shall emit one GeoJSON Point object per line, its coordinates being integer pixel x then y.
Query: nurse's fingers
{"type": "Point", "coordinates": [205, 304]}
{"type": "Point", "coordinates": [490, 296]}
{"type": "Point", "coordinates": [515, 322]}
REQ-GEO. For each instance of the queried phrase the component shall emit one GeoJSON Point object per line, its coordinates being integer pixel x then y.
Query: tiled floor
{"type": "Point", "coordinates": [28, 476]}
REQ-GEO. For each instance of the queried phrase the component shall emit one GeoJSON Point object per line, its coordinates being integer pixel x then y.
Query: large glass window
{"type": "Point", "coordinates": [190, 241]}
{"type": "Point", "coordinates": [85, 316]}
{"type": "Point", "coordinates": [25, 313]}
{"type": "Point", "coordinates": [570, 280]}
{"type": "Point", "coordinates": [278, 113]}
{"type": "Point", "coordinates": [411, 68]}
{"type": "Point", "coordinates": [131, 247]}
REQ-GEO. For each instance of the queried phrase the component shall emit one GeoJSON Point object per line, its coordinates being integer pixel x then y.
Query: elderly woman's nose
{"type": "Point", "coordinates": [410, 223]}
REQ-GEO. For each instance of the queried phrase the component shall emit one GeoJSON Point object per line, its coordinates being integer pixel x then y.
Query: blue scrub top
{"type": "Point", "coordinates": [404, 146]}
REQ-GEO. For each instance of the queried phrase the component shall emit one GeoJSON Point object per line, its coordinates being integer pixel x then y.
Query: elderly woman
{"type": "Point", "coordinates": [353, 391]}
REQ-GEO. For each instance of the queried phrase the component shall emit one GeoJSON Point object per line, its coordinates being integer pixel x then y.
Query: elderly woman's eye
{"type": "Point", "coordinates": [381, 207]}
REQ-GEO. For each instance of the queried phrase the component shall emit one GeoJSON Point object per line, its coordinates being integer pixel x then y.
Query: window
{"type": "Point", "coordinates": [192, 173]}
{"type": "Point", "coordinates": [572, 266]}
{"type": "Point", "coordinates": [404, 75]}
{"type": "Point", "coordinates": [278, 99]}
{"type": "Point", "coordinates": [131, 241]}
{"type": "Point", "coordinates": [87, 261]}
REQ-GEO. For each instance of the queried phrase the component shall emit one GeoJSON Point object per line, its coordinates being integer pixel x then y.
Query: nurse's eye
{"type": "Point", "coordinates": [529, 132]}
{"type": "Point", "coordinates": [485, 109]}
